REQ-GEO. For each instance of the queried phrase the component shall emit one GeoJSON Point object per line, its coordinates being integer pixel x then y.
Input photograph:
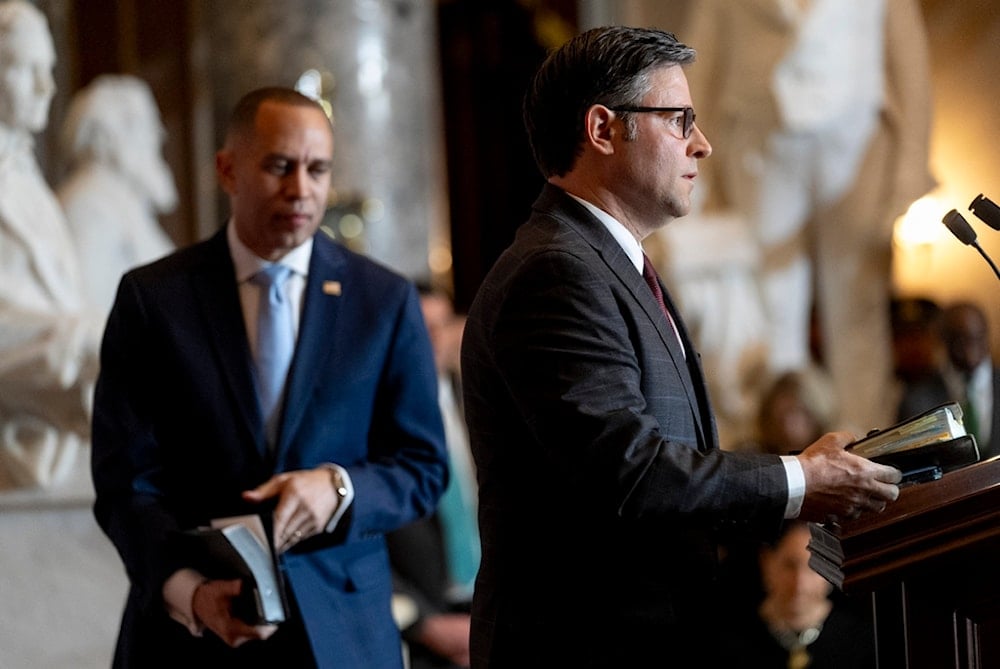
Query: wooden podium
{"type": "Point", "coordinates": [931, 563]}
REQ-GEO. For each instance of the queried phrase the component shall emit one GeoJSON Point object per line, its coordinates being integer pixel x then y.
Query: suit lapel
{"type": "Point", "coordinates": [593, 231]}
{"type": "Point", "coordinates": [704, 415]}
{"type": "Point", "coordinates": [219, 302]}
{"type": "Point", "coordinates": [321, 308]}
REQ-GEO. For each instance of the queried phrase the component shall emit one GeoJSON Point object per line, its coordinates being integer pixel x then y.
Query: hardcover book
{"type": "Point", "coordinates": [238, 547]}
{"type": "Point", "coordinates": [933, 442]}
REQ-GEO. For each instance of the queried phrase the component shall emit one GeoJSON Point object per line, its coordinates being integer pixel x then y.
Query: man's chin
{"type": "Point", "coordinates": [293, 238]}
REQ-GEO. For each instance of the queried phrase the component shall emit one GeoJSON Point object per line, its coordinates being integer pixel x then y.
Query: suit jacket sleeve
{"type": "Point", "coordinates": [593, 381]}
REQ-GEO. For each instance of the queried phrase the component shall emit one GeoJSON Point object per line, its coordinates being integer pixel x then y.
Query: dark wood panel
{"type": "Point", "coordinates": [931, 563]}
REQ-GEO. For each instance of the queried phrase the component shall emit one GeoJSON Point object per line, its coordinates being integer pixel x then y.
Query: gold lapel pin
{"type": "Point", "coordinates": [331, 287]}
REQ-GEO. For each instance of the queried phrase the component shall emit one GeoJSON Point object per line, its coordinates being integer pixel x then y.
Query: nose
{"type": "Point", "coordinates": [297, 182]}
{"type": "Point", "coordinates": [698, 145]}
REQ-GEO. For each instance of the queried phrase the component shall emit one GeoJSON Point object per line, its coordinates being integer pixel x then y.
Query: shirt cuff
{"type": "Point", "coordinates": [796, 485]}
{"type": "Point", "coordinates": [178, 596]}
{"type": "Point", "coordinates": [345, 494]}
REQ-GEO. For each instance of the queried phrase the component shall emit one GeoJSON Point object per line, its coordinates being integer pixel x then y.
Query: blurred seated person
{"type": "Point", "coordinates": [799, 621]}
{"type": "Point", "coordinates": [918, 351]}
{"type": "Point", "coordinates": [435, 559]}
{"type": "Point", "coordinates": [796, 408]}
{"type": "Point", "coordinates": [968, 376]}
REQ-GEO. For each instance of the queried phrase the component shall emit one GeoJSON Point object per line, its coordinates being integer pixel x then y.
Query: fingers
{"type": "Point", "coordinates": [867, 504]}
{"type": "Point", "coordinates": [306, 500]}
{"type": "Point", "coordinates": [289, 539]}
{"type": "Point", "coordinates": [293, 521]}
{"type": "Point", "coordinates": [836, 440]}
{"type": "Point", "coordinates": [263, 632]}
{"type": "Point", "coordinates": [212, 605]}
{"type": "Point", "coordinates": [887, 492]}
{"type": "Point", "coordinates": [266, 490]}
{"type": "Point", "coordinates": [888, 474]}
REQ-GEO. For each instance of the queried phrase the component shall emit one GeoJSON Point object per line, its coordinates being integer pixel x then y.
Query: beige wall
{"type": "Point", "coordinates": [965, 49]}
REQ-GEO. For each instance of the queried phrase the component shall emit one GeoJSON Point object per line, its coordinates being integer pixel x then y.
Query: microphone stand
{"type": "Point", "coordinates": [976, 246]}
{"type": "Point", "coordinates": [959, 227]}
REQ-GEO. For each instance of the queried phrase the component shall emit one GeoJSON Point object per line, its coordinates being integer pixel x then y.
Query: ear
{"type": "Point", "coordinates": [224, 170]}
{"type": "Point", "coordinates": [600, 129]}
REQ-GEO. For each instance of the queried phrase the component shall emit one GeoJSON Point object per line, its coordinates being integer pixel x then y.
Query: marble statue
{"type": "Point", "coordinates": [48, 337]}
{"type": "Point", "coordinates": [117, 184]}
{"type": "Point", "coordinates": [62, 585]}
{"type": "Point", "coordinates": [819, 115]}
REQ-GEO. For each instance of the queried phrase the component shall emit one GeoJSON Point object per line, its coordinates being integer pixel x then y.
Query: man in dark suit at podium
{"type": "Point", "coordinates": [968, 377]}
{"type": "Point", "coordinates": [603, 491]}
{"type": "Point", "coordinates": [197, 417]}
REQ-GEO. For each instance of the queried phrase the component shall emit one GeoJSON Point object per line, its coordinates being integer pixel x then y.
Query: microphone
{"type": "Point", "coordinates": [986, 210]}
{"type": "Point", "coordinates": [960, 227]}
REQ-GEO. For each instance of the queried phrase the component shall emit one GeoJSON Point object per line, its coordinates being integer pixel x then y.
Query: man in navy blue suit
{"type": "Point", "coordinates": [354, 449]}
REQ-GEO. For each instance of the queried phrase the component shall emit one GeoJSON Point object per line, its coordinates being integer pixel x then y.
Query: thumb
{"type": "Point", "coordinates": [231, 588]}
{"type": "Point", "coordinates": [265, 490]}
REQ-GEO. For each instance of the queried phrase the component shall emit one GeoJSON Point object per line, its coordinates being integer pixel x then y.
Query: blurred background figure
{"type": "Point", "coordinates": [799, 621]}
{"type": "Point", "coordinates": [820, 115]}
{"type": "Point", "coordinates": [118, 182]}
{"type": "Point", "coordinates": [917, 348]}
{"type": "Point", "coordinates": [48, 338]}
{"type": "Point", "coordinates": [435, 560]}
{"type": "Point", "coordinates": [795, 410]}
{"type": "Point", "coordinates": [967, 376]}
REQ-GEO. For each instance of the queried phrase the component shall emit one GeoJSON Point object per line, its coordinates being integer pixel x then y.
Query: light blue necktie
{"type": "Point", "coordinates": [275, 341]}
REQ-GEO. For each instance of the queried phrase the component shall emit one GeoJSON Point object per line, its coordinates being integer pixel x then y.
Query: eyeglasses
{"type": "Point", "coordinates": [689, 115]}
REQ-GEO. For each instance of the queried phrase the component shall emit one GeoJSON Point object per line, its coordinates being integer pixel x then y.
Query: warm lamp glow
{"type": "Point", "coordinates": [921, 224]}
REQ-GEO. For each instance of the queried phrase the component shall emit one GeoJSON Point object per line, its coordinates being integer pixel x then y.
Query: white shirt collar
{"type": "Point", "coordinates": [625, 239]}
{"type": "Point", "coordinates": [247, 263]}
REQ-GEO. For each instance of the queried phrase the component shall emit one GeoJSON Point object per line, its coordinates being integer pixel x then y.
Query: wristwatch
{"type": "Point", "coordinates": [338, 485]}
{"type": "Point", "coordinates": [344, 491]}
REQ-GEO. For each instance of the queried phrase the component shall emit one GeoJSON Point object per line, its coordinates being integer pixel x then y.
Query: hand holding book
{"type": "Point", "coordinates": [212, 605]}
{"type": "Point", "coordinates": [238, 548]}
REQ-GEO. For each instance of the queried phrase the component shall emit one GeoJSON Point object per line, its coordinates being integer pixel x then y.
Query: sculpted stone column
{"type": "Point", "coordinates": [375, 62]}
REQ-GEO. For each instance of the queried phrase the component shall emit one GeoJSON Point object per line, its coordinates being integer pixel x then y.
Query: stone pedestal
{"type": "Point", "coordinates": [63, 585]}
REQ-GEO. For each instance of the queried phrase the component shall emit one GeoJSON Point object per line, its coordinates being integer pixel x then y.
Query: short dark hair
{"type": "Point", "coordinates": [607, 66]}
{"type": "Point", "coordinates": [244, 114]}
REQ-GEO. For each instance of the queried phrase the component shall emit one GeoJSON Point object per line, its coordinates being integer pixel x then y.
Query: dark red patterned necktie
{"type": "Point", "coordinates": [653, 281]}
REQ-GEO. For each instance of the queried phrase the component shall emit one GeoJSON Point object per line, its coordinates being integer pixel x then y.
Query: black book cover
{"type": "Point", "coordinates": [239, 547]}
{"type": "Point", "coordinates": [923, 447]}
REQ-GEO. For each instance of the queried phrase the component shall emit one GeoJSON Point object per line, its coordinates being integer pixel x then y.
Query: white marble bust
{"type": "Point", "coordinates": [48, 339]}
{"type": "Point", "coordinates": [117, 184]}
